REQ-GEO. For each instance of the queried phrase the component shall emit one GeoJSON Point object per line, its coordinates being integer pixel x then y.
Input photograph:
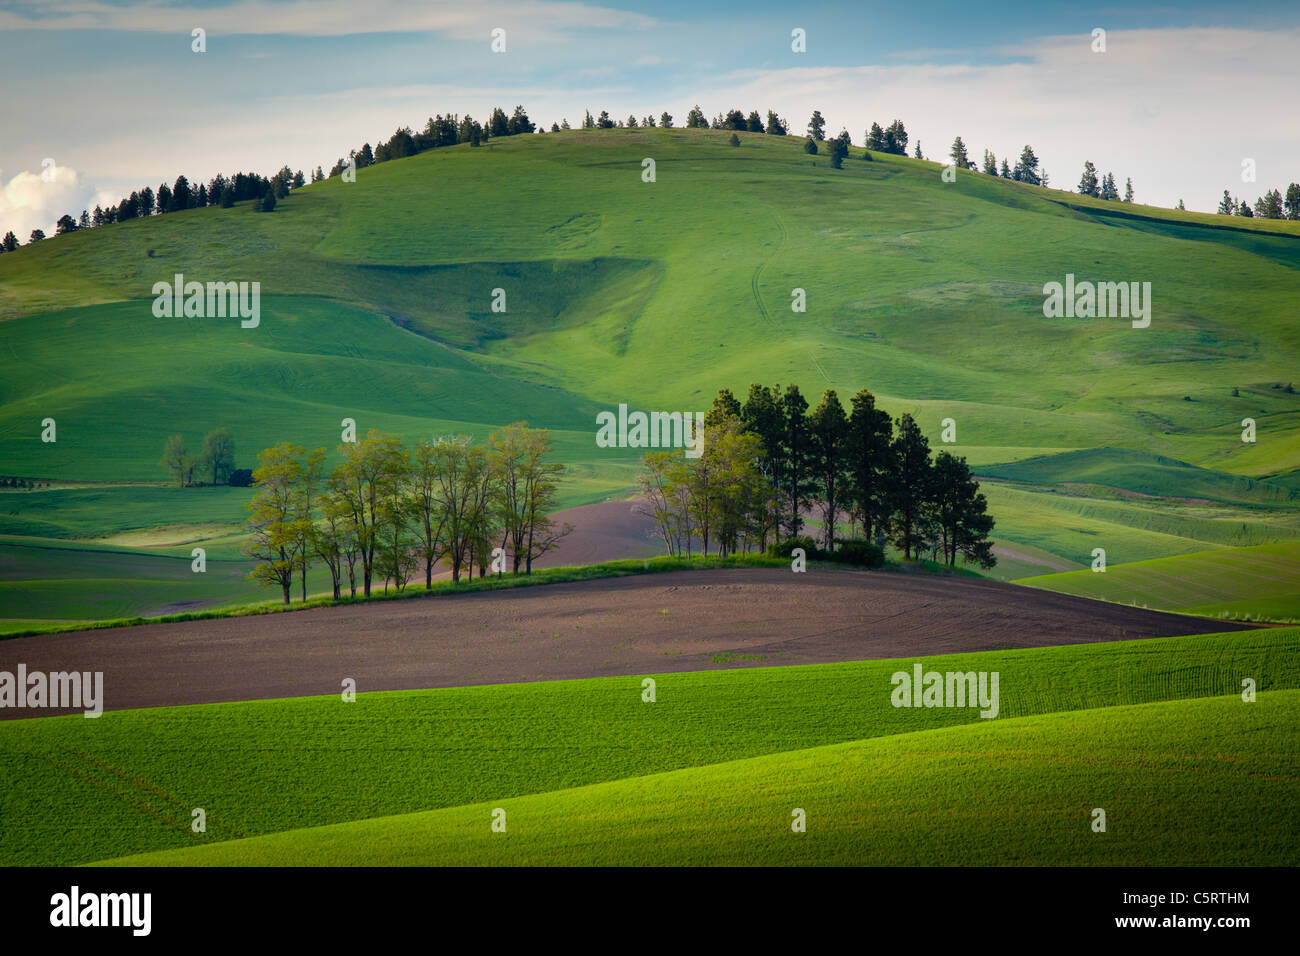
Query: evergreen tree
{"type": "Point", "coordinates": [520, 123]}
{"type": "Point", "coordinates": [1128, 189]}
{"type": "Point", "coordinates": [875, 138]}
{"type": "Point", "coordinates": [796, 448]}
{"type": "Point", "coordinates": [990, 163]}
{"type": "Point", "coordinates": [762, 415]}
{"type": "Point", "coordinates": [810, 146]}
{"type": "Point", "coordinates": [895, 138]}
{"type": "Point", "coordinates": [1292, 202]}
{"type": "Point", "coordinates": [725, 406]}
{"type": "Point", "coordinates": [775, 125]}
{"type": "Point", "coordinates": [911, 486]}
{"type": "Point", "coordinates": [666, 120]}
{"type": "Point", "coordinates": [1006, 170]}
{"type": "Point", "coordinates": [754, 122]}
{"type": "Point", "coordinates": [960, 159]}
{"type": "Point", "coordinates": [869, 461]}
{"type": "Point", "coordinates": [839, 149]}
{"type": "Point", "coordinates": [817, 126]}
{"type": "Point", "coordinates": [182, 198]}
{"type": "Point", "coordinates": [960, 512]}
{"type": "Point", "coordinates": [1026, 170]}
{"type": "Point", "coordinates": [1108, 188]}
{"type": "Point", "coordinates": [695, 118]}
{"type": "Point", "coordinates": [10, 241]}
{"type": "Point", "coordinates": [1227, 205]}
{"type": "Point", "coordinates": [1088, 185]}
{"type": "Point", "coordinates": [828, 434]}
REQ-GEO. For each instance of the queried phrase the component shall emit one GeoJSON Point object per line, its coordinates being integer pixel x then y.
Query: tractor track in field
{"type": "Point", "coordinates": [636, 625]}
{"type": "Point", "coordinates": [753, 286]}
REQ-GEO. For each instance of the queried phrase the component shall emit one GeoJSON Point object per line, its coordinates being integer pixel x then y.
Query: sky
{"type": "Point", "coordinates": [112, 96]}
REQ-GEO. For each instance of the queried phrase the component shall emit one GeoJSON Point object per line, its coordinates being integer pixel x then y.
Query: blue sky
{"type": "Point", "coordinates": [112, 92]}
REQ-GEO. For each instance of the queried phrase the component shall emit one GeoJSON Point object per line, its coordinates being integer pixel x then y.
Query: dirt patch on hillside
{"type": "Point", "coordinates": [644, 624]}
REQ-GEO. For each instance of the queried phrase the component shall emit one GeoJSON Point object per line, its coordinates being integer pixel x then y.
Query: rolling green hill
{"type": "Point", "coordinates": [1258, 584]}
{"type": "Point", "coordinates": [127, 781]}
{"type": "Point", "coordinates": [377, 306]}
{"type": "Point", "coordinates": [1012, 793]}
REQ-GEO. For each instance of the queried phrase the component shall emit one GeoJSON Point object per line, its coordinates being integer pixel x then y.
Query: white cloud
{"type": "Point", "coordinates": [527, 21]}
{"type": "Point", "coordinates": [1175, 109]}
{"type": "Point", "coordinates": [30, 202]}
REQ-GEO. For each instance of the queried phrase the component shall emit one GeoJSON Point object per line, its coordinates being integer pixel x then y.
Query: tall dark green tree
{"type": "Point", "coordinates": [828, 431]}
{"type": "Point", "coordinates": [725, 406]}
{"type": "Point", "coordinates": [961, 512]}
{"type": "Point", "coordinates": [895, 138]}
{"type": "Point", "coordinates": [911, 485]}
{"type": "Point", "coordinates": [796, 445]}
{"type": "Point", "coordinates": [817, 126]}
{"type": "Point", "coordinates": [1088, 184]}
{"type": "Point", "coordinates": [839, 150]}
{"type": "Point", "coordinates": [520, 123]}
{"type": "Point", "coordinates": [869, 453]}
{"type": "Point", "coordinates": [1026, 170]}
{"type": "Point", "coordinates": [960, 158]}
{"type": "Point", "coordinates": [762, 415]}
{"type": "Point", "coordinates": [182, 197]}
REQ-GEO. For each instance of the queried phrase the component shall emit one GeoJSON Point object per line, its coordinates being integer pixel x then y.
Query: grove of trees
{"type": "Point", "coordinates": [769, 461]}
{"type": "Point", "coordinates": [386, 511]}
{"type": "Point", "coordinates": [214, 461]}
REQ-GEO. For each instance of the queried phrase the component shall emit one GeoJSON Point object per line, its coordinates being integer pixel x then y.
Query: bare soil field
{"type": "Point", "coordinates": [642, 624]}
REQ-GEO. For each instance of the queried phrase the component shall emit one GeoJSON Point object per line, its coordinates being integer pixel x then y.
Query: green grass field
{"type": "Point", "coordinates": [377, 307]}
{"type": "Point", "coordinates": [1015, 793]}
{"type": "Point", "coordinates": [1258, 584]}
{"type": "Point", "coordinates": [126, 783]}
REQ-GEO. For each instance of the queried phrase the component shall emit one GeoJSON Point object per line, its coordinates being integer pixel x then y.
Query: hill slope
{"type": "Point", "coordinates": [1008, 793]}
{"type": "Point", "coordinates": [378, 306]}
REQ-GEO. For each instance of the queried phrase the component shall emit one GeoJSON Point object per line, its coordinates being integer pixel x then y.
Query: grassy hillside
{"type": "Point", "coordinates": [377, 306]}
{"type": "Point", "coordinates": [1259, 584]}
{"type": "Point", "coordinates": [1019, 792]}
{"type": "Point", "coordinates": [126, 782]}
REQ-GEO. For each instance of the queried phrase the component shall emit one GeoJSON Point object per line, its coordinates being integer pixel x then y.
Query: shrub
{"type": "Point", "coordinates": [241, 478]}
{"type": "Point", "coordinates": [860, 552]}
{"type": "Point", "coordinates": [782, 549]}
